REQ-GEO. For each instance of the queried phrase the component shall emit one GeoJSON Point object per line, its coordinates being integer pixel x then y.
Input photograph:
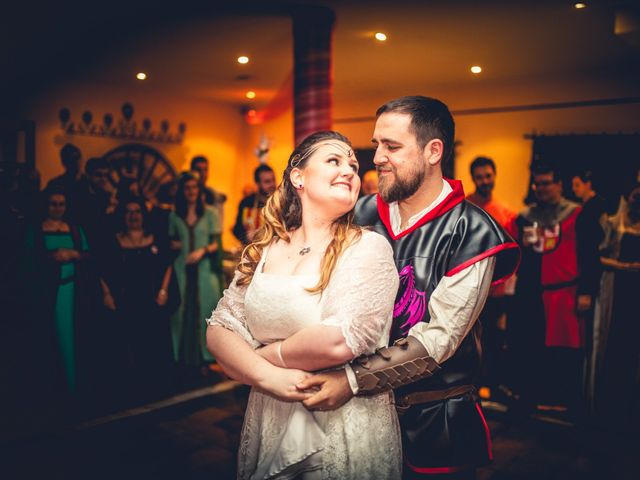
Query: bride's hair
{"type": "Point", "coordinates": [282, 214]}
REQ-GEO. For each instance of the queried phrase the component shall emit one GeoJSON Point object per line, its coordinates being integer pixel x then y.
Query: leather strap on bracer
{"type": "Point", "coordinates": [392, 367]}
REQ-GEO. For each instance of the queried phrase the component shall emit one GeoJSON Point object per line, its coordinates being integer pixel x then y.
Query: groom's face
{"type": "Point", "coordinates": [399, 159]}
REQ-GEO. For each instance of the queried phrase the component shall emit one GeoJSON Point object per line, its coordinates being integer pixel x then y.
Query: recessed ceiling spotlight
{"type": "Point", "coordinates": [381, 37]}
{"type": "Point", "coordinates": [250, 94]}
{"type": "Point", "coordinates": [243, 59]}
{"type": "Point", "coordinates": [580, 5]}
{"type": "Point", "coordinates": [141, 76]}
{"type": "Point", "coordinates": [476, 69]}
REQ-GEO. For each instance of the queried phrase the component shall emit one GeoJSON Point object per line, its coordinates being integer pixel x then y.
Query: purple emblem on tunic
{"type": "Point", "coordinates": [412, 303]}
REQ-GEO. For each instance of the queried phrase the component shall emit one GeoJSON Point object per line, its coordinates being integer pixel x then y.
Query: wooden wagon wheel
{"type": "Point", "coordinates": [141, 163]}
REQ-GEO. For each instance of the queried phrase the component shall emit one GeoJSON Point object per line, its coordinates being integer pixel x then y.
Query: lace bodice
{"type": "Point", "coordinates": [358, 299]}
{"type": "Point", "coordinates": [277, 306]}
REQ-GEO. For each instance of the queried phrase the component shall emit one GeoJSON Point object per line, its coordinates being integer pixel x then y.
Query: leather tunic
{"type": "Point", "coordinates": [449, 434]}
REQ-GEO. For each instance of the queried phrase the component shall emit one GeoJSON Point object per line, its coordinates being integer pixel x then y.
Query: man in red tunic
{"type": "Point", "coordinates": [546, 335]}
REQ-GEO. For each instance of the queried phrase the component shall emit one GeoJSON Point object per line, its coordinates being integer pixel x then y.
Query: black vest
{"type": "Point", "coordinates": [449, 238]}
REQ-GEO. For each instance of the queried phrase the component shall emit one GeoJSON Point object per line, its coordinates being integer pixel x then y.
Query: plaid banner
{"type": "Point", "coordinates": [313, 75]}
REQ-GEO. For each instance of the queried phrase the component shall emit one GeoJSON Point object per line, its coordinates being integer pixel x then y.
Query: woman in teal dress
{"type": "Point", "coordinates": [55, 251]}
{"type": "Point", "coordinates": [195, 231]}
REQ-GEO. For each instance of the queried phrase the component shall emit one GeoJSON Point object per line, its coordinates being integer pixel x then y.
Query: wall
{"type": "Point", "coordinates": [219, 131]}
{"type": "Point", "coordinates": [501, 136]}
{"type": "Point", "coordinates": [279, 131]}
{"type": "Point", "coordinates": [215, 130]}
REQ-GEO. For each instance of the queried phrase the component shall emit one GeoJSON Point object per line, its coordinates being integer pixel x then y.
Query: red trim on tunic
{"type": "Point", "coordinates": [434, 470]}
{"type": "Point", "coordinates": [460, 468]}
{"type": "Point", "coordinates": [492, 251]}
{"type": "Point", "coordinates": [455, 197]}
{"type": "Point", "coordinates": [486, 431]}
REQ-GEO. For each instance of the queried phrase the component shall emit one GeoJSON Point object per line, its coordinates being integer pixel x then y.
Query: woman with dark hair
{"type": "Point", "coordinates": [139, 287]}
{"type": "Point", "coordinates": [56, 252]}
{"type": "Point", "coordinates": [195, 231]}
{"type": "Point", "coordinates": [313, 291]}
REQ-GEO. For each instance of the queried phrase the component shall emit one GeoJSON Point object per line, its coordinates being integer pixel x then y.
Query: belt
{"type": "Point", "coordinates": [416, 398]}
{"type": "Point", "coordinates": [561, 285]}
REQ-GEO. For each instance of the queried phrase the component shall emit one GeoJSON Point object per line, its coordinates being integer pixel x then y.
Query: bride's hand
{"type": "Point", "coordinates": [281, 383]}
{"type": "Point", "coordinates": [334, 390]}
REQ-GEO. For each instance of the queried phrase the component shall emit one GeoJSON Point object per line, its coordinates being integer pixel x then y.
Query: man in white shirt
{"type": "Point", "coordinates": [448, 253]}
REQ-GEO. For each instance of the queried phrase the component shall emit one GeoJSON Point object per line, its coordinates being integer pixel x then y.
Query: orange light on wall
{"type": "Point", "coordinates": [580, 5]}
{"type": "Point", "coordinates": [279, 104]}
{"type": "Point", "coordinates": [476, 69]}
{"type": "Point", "coordinates": [253, 117]}
{"type": "Point", "coordinates": [381, 37]}
{"type": "Point", "coordinates": [141, 76]}
{"type": "Point", "coordinates": [250, 94]}
{"type": "Point", "coordinates": [243, 59]}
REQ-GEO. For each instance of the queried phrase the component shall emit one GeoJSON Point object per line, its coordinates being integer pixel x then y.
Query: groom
{"type": "Point", "coordinates": [448, 253]}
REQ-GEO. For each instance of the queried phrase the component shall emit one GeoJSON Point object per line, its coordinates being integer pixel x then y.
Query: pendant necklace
{"type": "Point", "coordinates": [305, 249]}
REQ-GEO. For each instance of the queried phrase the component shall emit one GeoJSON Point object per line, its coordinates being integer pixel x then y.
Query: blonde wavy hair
{"type": "Point", "coordinates": [282, 215]}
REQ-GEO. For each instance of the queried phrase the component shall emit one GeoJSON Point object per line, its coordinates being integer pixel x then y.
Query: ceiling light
{"type": "Point", "coordinates": [476, 69]}
{"type": "Point", "coordinates": [141, 76]}
{"type": "Point", "coordinates": [250, 94]}
{"type": "Point", "coordinates": [580, 5]}
{"type": "Point", "coordinates": [243, 59]}
{"type": "Point", "coordinates": [380, 36]}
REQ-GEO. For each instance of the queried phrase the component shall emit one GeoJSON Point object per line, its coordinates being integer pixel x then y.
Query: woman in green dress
{"type": "Point", "coordinates": [56, 249]}
{"type": "Point", "coordinates": [195, 232]}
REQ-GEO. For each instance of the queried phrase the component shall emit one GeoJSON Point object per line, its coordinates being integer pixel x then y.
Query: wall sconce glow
{"type": "Point", "coordinates": [243, 59]}
{"type": "Point", "coordinates": [141, 76]}
{"type": "Point", "coordinates": [580, 5]}
{"type": "Point", "coordinates": [380, 36]}
{"type": "Point", "coordinates": [476, 69]}
{"type": "Point", "coordinates": [250, 94]}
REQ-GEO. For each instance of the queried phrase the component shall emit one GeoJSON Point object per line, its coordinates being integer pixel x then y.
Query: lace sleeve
{"type": "Point", "coordinates": [230, 314]}
{"type": "Point", "coordinates": [359, 298]}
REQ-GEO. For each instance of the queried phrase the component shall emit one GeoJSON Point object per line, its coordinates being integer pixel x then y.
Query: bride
{"type": "Point", "coordinates": [313, 291]}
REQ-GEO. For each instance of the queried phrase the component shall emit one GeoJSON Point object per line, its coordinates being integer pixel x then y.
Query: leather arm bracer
{"type": "Point", "coordinates": [405, 362]}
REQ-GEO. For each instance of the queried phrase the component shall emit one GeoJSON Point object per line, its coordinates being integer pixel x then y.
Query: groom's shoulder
{"type": "Point", "coordinates": [366, 210]}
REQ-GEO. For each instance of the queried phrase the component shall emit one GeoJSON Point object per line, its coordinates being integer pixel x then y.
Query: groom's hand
{"type": "Point", "coordinates": [334, 390]}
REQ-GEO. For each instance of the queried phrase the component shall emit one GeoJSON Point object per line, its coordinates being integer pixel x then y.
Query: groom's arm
{"type": "Point", "coordinates": [454, 307]}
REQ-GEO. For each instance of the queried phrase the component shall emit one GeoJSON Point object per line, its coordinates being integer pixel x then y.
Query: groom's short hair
{"type": "Point", "coordinates": [430, 118]}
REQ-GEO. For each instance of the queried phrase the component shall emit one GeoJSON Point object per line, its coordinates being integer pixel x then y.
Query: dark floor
{"type": "Point", "coordinates": [197, 437]}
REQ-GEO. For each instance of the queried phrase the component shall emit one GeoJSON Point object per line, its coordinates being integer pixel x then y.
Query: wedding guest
{"type": "Point", "coordinates": [139, 286]}
{"type": "Point", "coordinates": [248, 219]}
{"type": "Point", "coordinates": [195, 232]}
{"type": "Point", "coordinates": [57, 251]}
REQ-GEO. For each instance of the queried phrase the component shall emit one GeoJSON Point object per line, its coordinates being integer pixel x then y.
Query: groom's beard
{"type": "Point", "coordinates": [394, 187]}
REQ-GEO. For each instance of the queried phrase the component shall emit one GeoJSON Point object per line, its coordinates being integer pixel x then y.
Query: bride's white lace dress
{"type": "Point", "coordinates": [360, 440]}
